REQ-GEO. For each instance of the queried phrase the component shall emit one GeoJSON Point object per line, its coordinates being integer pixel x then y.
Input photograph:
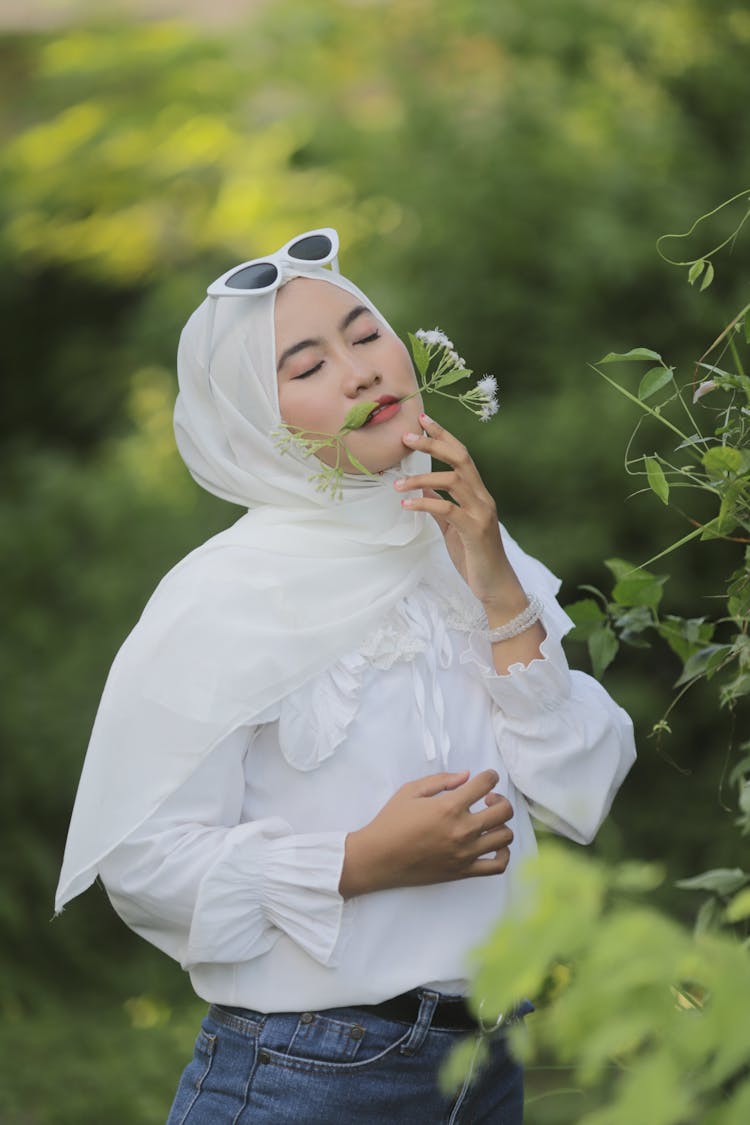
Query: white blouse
{"type": "Point", "coordinates": [236, 876]}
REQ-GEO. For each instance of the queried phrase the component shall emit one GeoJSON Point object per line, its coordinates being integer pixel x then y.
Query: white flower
{"type": "Point", "coordinates": [486, 391]}
{"type": "Point", "coordinates": [456, 359]}
{"type": "Point", "coordinates": [704, 389]}
{"type": "Point", "coordinates": [433, 337]}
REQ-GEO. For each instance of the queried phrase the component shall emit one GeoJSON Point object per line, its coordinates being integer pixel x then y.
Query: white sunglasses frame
{"type": "Point", "coordinates": [220, 288]}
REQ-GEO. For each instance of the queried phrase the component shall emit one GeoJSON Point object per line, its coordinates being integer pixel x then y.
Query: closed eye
{"type": "Point", "coordinates": [306, 374]}
{"type": "Point", "coordinates": [368, 339]}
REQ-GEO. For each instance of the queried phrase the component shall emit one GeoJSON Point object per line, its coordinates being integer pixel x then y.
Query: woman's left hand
{"type": "Point", "coordinates": [470, 526]}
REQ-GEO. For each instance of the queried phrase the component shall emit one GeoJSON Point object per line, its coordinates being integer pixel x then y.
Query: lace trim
{"type": "Point", "coordinates": [462, 614]}
{"type": "Point", "coordinates": [392, 642]}
{"type": "Point", "coordinates": [398, 639]}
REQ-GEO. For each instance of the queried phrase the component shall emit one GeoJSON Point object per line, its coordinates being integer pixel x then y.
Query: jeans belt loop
{"type": "Point", "coordinates": [419, 1031]}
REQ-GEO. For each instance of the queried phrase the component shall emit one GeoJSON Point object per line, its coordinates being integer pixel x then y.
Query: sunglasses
{"type": "Point", "coordinates": [262, 275]}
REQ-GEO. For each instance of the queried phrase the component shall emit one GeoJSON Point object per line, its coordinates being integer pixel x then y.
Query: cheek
{"type": "Point", "coordinates": [301, 408]}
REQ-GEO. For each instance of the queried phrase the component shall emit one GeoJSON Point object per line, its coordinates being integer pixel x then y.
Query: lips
{"type": "Point", "coordinates": [388, 405]}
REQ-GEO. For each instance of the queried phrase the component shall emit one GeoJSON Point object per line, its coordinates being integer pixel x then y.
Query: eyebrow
{"type": "Point", "coordinates": [302, 344]}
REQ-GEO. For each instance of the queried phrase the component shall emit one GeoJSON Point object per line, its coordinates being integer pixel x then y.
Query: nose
{"type": "Point", "coordinates": [359, 376]}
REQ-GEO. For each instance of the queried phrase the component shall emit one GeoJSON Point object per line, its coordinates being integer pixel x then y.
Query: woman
{"type": "Point", "coordinates": [316, 748]}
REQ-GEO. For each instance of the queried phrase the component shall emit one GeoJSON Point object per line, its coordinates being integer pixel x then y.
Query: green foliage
{"type": "Point", "coordinates": [87, 1061]}
{"type": "Point", "coordinates": [685, 1056]}
{"type": "Point", "coordinates": [624, 983]}
{"type": "Point", "coordinates": [498, 168]}
{"type": "Point", "coordinates": [718, 468]}
{"type": "Point", "coordinates": [616, 981]}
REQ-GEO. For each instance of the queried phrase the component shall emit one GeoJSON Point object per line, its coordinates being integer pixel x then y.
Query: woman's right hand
{"type": "Point", "coordinates": [426, 833]}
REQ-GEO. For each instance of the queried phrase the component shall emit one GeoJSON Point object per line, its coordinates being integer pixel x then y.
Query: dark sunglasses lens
{"type": "Point", "coordinates": [257, 276]}
{"type": "Point", "coordinates": [313, 248]}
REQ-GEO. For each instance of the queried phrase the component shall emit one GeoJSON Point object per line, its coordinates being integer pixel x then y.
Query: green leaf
{"type": "Point", "coordinates": [656, 479]}
{"type": "Point", "coordinates": [685, 635]}
{"type": "Point", "coordinates": [357, 416]}
{"type": "Point", "coordinates": [731, 503]}
{"type": "Point", "coordinates": [620, 568]}
{"type": "Point", "coordinates": [708, 917]}
{"type": "Point", "coordinates": [744, 799]}
{"type": "Point", "coordinates": [653, 381]}
{"type": "Point", "coordinates": [420, 353]}
{"type": "Point", "coordinates": [709, 276]}
{"type": "Point", "coordinates": [747, 327]}
{"type": "Point", "coordinates": [737, 687]}
{"type": "Point", "coordinates": [454, 375]}
{"type": "Point", "coordinates": [641, 588]}
{"type": "Point", "coordinates": [711, 530]}
{"type": "Point", "coordinates": [592, 590]}
{"type": "Point", "coordinates": [603, 646]}
{"type": "Point", "coordinates": [630, 357]}
{"type": "Point", "coordinates": [636, 875]}
{"type": "Point", "coordinates": [695, 270]}
{"type": "Point", "coordinates": [739, 907]}
{"type": "Point", "coordinates": [632, 623]}
{"type": "Point", "coordinates": [704, 662]}
{"type": "Point", "coordinates": [634, 620]}
{"type": "Point", "coordinates": [358, 464]}
{"type": "Point", "coordinates": [738, 603]}
{"type": "Point", "coordinates": [720, 880]}
{"type": "Point", "coordinates": [586, 616]}
{"type": "Point", "coordinates": [742, 768]}
{"type": "Point", "coordinates": [721, 459]}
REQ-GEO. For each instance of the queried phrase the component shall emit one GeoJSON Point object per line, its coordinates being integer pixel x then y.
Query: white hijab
{"type": "Point", "coordinates": [257, 610]}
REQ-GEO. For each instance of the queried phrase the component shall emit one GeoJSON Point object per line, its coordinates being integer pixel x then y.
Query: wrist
{"type": "Point", "coordinates": [503, 604]}
{"type": "Point", "coordinates": [357, 877]}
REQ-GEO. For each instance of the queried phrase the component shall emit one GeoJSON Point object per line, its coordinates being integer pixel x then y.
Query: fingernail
{"type": "Point", "coordinates": [406, 503]}
{"type": "Point", "coordinates": [399, 483]}
{"type": "Point", "coordinates": [411, 437]}
{"type": "Point", "coordinates": [425, 418]}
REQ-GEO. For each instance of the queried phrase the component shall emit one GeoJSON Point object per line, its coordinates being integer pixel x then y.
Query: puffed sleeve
{"type": "Point", "coordinates": [204, 887]}
{"type": "Point", "coordinates": [565, 742]}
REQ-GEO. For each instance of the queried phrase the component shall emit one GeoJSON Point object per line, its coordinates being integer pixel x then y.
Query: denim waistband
{"type": "Point", "coordinates": [419, 1006]}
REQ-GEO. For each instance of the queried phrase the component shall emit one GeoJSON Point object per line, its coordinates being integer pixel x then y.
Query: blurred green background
{"type": "Point", "coordinates": [498, 168]}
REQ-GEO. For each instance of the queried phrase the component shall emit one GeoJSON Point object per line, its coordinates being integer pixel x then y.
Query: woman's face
{"type": "Point", "coordinates": [332, 353]}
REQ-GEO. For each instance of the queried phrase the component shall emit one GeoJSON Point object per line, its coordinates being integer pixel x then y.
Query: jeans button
{"type": "Point", "coordinates": [306, 1017]}
{"type": "Point", "coordinates": [264, 1057]}
{"type": "Point", "coordinates": [357, 1032]}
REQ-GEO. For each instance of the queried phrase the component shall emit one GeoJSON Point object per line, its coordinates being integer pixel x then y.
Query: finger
{"type": "Point", "coordinates": [427, 481]}
{"type": "Point", "coordinates": [491, 818]}
{"type": "Point", "coordinates": [434, 430]}
{"type": "Point", "coordinates": [447, 449]}
{"type": "Point", "coordinates": [493, 798]}
{"type": "Point", "coordinates": [460, 493]}
{"type": "Point", "coordinates": [441, 521]}
{"type": "Point", "coordinates": [490, 866]}
{"type": "Point", "coordinates": [464, 483]}
{"type": "Point", "coordinates": [438, 507]}
{"type": "Point", "coordinates": [477, 787]}
{"type": "Point", "coordinates": [435, 783]}
{"type": "Point", "coordinates": [441, 443]}
{"type": "Point", "coordinates": [492, 842]}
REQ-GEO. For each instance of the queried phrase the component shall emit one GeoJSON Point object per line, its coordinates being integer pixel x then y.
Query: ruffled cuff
{"type": "Point", "coordinates": [264, 881]}
{"type": "Point", "coordinates": [301, 897]}
{"type": "Point", "coordinates": [526, 690]}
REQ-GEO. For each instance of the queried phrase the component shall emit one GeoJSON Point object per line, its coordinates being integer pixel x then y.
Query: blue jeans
{"type": "Point", "coordinates": [337, 1067]}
